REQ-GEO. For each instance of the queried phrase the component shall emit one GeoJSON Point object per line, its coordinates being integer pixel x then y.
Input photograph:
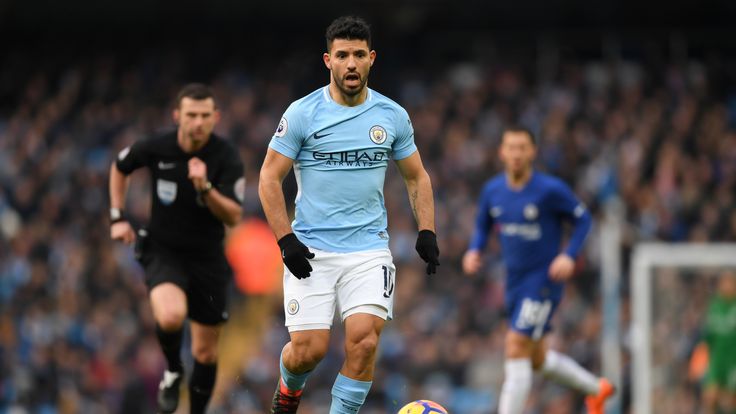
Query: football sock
{"type": "Point", "coordinates": [348, 395]}
{"type": "Point", "coordinates": [516, 386]}
{"type": "Point", "coordinates": [293, 382]}
{"type": "Point", "coordinates": [564, 370]}
{"type": "Point", "coordinates": [171, 346]}
{"type": "Point", "coordinates": [200, 386]}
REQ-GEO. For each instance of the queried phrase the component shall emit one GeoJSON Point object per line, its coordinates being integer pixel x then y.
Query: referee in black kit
{"type": "Point", "coordinates": [197, 185]}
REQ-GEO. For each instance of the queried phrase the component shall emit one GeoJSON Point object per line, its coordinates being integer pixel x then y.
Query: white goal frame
{"type": "Point", "coordinates": [645, 257]}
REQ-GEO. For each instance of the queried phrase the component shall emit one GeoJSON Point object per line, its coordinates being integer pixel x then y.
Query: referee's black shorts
{"type": "Point", "coordinates": [205, 281]}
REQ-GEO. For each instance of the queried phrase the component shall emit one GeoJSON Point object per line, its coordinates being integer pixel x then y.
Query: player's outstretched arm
{"type": "Point", "coordinates": [421, 198]}
{"type": "Point", "coordinates": [120, 228]}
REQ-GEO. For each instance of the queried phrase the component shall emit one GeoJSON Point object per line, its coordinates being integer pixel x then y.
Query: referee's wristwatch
{"type": "Point", "coordinates": [116, 215]}
{"type": "Point", "coordinates": [206, 189]}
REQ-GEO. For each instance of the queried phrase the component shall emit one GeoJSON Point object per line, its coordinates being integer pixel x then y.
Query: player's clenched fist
{"type": "Point", "coordinates": [295, 255]}
{"type": "Point", "coordinates": [198, 173]}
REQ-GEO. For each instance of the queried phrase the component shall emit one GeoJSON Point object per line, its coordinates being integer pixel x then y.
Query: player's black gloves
{"type": "Point", "coordinates": [428, 250]}
{"type": "Point", "coordinates": [295, 255]}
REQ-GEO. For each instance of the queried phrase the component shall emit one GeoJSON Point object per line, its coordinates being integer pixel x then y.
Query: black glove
{"type": "Point", "coordinates": [295, 255]}
{"type": "Point", "coordinates": [427, 248]}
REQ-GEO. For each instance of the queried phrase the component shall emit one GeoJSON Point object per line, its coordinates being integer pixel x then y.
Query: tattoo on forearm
{"type": "Point", "coordinates": [413, 201]}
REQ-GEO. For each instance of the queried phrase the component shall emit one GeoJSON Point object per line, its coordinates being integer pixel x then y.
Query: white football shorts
{"type": "Point", "coordinates": [356, 282]}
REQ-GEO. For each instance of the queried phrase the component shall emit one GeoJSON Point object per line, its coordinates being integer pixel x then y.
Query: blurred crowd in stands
{"type": "Point", "coordinates": [76, 332]}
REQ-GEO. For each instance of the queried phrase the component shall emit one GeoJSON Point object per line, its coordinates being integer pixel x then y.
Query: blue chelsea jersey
{"type": "Point", "coordinates": [340, 158]}
{"type": "Point", "coordinates": [529, 221]}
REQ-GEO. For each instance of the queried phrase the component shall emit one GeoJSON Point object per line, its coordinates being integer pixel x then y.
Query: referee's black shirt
{"type": "Point", "coordinates": [180, 220]}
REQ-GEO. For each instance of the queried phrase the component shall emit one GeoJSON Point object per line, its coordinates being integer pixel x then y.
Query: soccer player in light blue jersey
{"type": "Point", "coordinates": [339, 140]}
{"type": "Point", "coordinates": [527, 209]}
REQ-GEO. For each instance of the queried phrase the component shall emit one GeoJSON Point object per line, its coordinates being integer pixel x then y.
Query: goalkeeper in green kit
{"type": "Point", "coordinates": [720, 338]}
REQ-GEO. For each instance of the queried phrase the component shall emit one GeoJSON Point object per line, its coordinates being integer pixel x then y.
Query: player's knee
{"type": "Point", "coordinates": [205, 354]}
{"type": "Point", "coordinates": [363, 348]}
{"type": "Point", "coordinates": [171, 319]}
{"type": "Point", "coordinates": [518, 346]}
{"type": "Point", "coordinates": [307, 358]}
{"type": "Point", "coordinates": [514, 352]}
{"type": "Point", "coordinates": [537, 361]}
{"type": "Point", "coordinates": [307, 352]}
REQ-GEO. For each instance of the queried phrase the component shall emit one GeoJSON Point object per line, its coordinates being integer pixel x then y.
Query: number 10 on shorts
{"type": "Point", "coordinates": [388, 282]}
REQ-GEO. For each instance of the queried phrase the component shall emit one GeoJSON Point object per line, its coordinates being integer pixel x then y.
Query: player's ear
{"type": "Point", "coordinates": [175, 114]}
{"type": "Point", "coordinates": [372, 56]}
{"type": "Point", "coordinates": [217, 115]}
{"type": "Point", "coordinates": [326, 59]}
{"type": "Point", "coordinates": [534, 151]}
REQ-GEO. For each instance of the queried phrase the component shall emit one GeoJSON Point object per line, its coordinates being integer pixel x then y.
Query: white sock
{"type": "Point", "coordinates": [564, 370]}
{"type": "Point", "coordinates": [516, 386]}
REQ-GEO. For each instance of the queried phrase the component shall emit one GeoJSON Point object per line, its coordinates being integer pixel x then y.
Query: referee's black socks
{"type": "Point", "coordinates": [200, 386]}
{"type": "Point", "coordinates": [171, 346]}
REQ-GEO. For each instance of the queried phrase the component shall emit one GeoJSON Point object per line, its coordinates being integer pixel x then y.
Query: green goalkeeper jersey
{"type": "Point", "coordinates": [720, 335]}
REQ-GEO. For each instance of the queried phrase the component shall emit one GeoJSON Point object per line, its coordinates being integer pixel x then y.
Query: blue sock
{"type": "Point", "coordinates": [294, 382]}
{"type": "Point", "coordinates": [348, 395]}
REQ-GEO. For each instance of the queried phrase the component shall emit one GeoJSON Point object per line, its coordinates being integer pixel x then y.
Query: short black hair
{"type": "Point", "coordinates": [524, 130]}
{"type": "Point", "coordinates": [196, 91]}
{"type": "Point", "coordinates": [350, 28]}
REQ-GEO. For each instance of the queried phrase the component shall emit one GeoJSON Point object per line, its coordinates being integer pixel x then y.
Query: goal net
{"type": "Point", "coordinates": [671, 285]}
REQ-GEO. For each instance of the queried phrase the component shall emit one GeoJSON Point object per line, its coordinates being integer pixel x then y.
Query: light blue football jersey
{"type": "Point", "coordinates": [340, 158]}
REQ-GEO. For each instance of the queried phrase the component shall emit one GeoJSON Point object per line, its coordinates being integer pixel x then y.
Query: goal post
{"type": "Point", "coordinates": [645, 258]}
{"type": "Point", "coordinates": [610, 269]}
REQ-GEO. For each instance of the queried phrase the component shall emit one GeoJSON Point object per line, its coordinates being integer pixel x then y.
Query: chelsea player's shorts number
{"type": "Point", "coordinates": [533, 314]}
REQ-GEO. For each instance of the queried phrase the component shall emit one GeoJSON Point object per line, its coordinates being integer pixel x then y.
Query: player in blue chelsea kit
{"type": "Point", "coordinates": [339, 140]}
{"type": "Point", "coordinates": [527, 209]}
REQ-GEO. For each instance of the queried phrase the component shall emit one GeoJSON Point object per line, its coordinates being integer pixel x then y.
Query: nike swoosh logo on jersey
{"type": "Point", "coordinates": [317, 136]}
{"type": "Point", "coordinates": [166, 165]}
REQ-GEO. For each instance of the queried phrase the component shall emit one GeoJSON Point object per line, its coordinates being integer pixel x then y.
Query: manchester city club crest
{"type": "Point", "coordinates": [378, 134]}
{"type": "Point", "coordinates": [530, 212]}
{"type": "Point", "coordinates": [292, 307]}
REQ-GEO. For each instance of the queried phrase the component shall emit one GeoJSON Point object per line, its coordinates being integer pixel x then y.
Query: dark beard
{"type": "Point", "coordinates": [350, 92]}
